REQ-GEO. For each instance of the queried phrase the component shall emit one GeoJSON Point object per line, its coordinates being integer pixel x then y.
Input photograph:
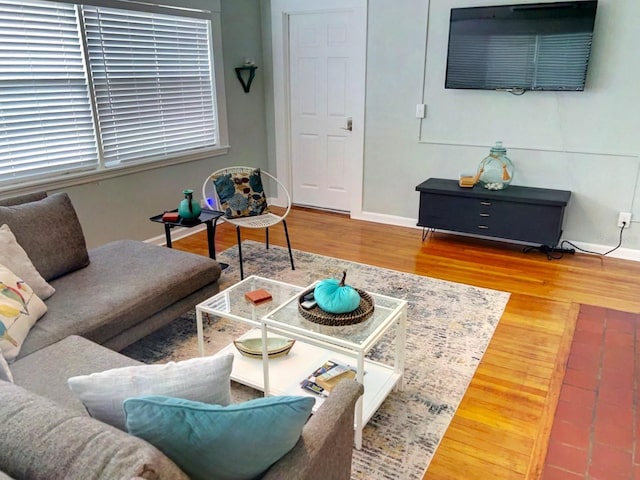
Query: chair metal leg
{"type": "Point", "coordinates": [286, 234]}
{"type": "Point", "coordinates": [267, 237]}
{"type": "Point", "coordinates": [211, 238]}
{"type": "Point", "coordinates": [240, 252]}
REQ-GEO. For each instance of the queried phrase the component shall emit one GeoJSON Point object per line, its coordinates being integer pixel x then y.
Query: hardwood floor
{"type": "Point", "coordinates": [501, 428]}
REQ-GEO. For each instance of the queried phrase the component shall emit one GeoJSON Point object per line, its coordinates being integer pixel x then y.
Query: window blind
{"type": "Point", "coordinates": [152, 82]}
{"type": "Point", "coordinates": [45, 113]}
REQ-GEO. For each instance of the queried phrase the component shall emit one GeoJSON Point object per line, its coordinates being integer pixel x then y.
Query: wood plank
{"type": "Point", "coordinates": [501, 428]}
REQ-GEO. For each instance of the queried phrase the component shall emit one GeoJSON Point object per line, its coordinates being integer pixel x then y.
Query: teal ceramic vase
{"type": "Point", "coordinates": [188, 209]}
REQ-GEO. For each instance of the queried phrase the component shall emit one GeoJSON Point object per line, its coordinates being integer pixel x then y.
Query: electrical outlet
{"type": "Point", "coordinates": [421, 109]}
{"type": "Point", "coordinates": [624, 217]}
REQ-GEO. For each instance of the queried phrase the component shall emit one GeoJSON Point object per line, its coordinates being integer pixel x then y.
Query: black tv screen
{"type": "Point", "coordinates": [535, 46]}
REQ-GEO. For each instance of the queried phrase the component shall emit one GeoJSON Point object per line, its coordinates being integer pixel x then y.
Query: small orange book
{"type": "Point", "coordinates": [170, 216]}
{"type": "Point", "coordinates": [258, 296]}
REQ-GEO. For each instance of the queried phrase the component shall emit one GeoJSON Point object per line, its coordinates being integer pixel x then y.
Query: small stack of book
{"type": "Point", "coordinates": [170, 217]}
{"type": "Point", "coordinates": [258, 296]}
{"type": "Point", "coordinates": [326, 377]}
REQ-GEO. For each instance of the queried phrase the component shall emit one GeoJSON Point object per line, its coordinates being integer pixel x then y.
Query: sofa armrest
{"type": "Point", "coordinates": [326, 446]}
{"type": "Point", "coordinates": [41, 440]}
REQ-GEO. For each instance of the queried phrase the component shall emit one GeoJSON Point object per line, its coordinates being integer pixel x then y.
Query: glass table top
{"type": "Point", "coordinates": [233, 304]}
{"type": "Point", "coordinates": [282, 312]}
{"type": "Point", "coordinates": [385, 308]}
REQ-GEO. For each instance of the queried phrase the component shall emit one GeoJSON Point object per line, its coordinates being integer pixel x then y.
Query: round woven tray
{"type": "Point", "coordinates": [317, 315]}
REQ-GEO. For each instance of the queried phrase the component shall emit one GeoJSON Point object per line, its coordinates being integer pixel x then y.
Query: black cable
{"type": "Point", "coordinates": [549, 251]}
{"type": "Point", "coordinates": [624, 224]}
{"type": "Point", "coordinates": [558, 257]}
{"type": "Point", "coordinates": [550, 255]}
{"type": "Point", "coordinates": [596, 253]}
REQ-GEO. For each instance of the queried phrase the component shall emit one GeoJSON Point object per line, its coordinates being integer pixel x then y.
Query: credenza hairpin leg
{"type": "Point", "coordinates": [426, 231]}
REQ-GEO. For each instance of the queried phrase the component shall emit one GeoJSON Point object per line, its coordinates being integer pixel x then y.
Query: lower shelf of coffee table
{"type": "Point", "coordinates": [286, 372]}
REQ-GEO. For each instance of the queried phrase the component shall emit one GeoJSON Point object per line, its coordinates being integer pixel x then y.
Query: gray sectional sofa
{"type": "Point", "coordinates": [107, 298]}
{"type": "Point", "coordinates": [114, 294]}
{"type": "Point", "coordinates": [45, 433]}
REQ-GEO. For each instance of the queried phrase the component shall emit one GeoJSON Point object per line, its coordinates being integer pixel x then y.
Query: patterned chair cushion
{"type": "Point", "coordinates": [241, 194]}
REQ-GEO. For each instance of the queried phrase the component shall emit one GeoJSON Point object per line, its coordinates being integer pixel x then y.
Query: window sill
{"type": "Point", "coordinates": [69, 180]}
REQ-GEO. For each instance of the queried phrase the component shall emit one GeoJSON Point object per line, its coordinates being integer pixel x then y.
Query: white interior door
{"type": "Point", "coordinates": [326, 85]}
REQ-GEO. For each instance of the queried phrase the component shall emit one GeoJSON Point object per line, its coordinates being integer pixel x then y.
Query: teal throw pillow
{"type": "Point", "coordinates": [235, 442]}
{"type": "Point", "coordinates": [241, 194]}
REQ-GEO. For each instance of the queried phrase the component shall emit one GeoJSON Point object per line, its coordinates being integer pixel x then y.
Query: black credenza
{"type": "Point", "coordinates": [532, 215]}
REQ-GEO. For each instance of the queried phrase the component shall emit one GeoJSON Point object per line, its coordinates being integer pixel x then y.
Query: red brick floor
{"type": "Point", "coordinates": [596, 429]}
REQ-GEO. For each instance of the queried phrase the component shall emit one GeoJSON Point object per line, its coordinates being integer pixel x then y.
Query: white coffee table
{"type": "Point", "coordinates": [315, 343]}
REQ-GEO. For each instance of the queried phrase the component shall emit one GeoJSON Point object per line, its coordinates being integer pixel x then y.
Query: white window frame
{"type": "Point", "coordinates": [63, 180]}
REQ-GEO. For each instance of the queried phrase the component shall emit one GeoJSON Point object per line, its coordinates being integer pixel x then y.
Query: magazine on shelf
{"type": "Point", "coordinates": [325, 377]}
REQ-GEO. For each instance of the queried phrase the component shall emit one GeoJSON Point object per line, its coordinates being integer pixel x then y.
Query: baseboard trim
{"type": "Point", "coordinates": [387, 219]}
{"type": "Point", "coordinates": [176, 234]}
{"type": "Point", "coordinates": [622, 253]}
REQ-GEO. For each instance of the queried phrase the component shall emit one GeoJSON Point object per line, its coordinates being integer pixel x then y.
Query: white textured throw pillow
{"type": "Point", "coordinates": [13, 256]}
{"type": "Point", "coordinates": [20, 309]}
{"type": "Point", "coordinates": [202, 379]}
{"type": "Point", "coordinates": [5, 372]}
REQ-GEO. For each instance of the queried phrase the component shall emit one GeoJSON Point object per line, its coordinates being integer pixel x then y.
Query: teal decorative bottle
{"type": "Point", "coordinates": [496, 171]}
{"type": "Point", "coordinates": [188, 209]}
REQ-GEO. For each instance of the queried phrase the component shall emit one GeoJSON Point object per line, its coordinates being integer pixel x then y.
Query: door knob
{"type": "Point", "coordinates": [349, 125]}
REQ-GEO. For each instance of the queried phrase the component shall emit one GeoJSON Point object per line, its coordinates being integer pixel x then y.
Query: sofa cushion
{"type": "Point", "coordinates": [210, 441]}
{"type": "Point", "coordinates": [50, 233]}
{"type": "Point", "coordinates": [126, 282]}
{"type": "Point", "coordinates": [13, 256]}
{"type": "Point", "coordinates": [5, 371]}
{"type": "Point", "coordinates": [20, 309]}
{"type": "Point", "coordinates": [46, 371]}
{"type": "Point", "coordinates": [204, 379]}
{"type": "Point", "coordinates": [42, 441]}
{"type": "Point", "coordinates": [26, 198]}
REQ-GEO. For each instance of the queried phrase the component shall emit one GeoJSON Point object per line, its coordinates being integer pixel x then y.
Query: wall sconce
{"type": "Point", "coordinates": [250, 70]}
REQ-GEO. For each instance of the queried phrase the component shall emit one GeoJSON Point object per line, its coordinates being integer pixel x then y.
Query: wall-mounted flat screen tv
{"type": "Point", "coordinates": [534, 46]}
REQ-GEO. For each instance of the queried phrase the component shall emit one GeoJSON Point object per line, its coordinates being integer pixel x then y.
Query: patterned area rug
{"type": "Point", "coordinates": [449, 326]}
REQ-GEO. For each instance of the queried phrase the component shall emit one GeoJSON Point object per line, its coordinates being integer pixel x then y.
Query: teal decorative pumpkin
{"type": "Point", "coordinates": [336, 297]}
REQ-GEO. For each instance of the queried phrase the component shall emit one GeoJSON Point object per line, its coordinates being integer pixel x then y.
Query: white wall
{"type": "Point", "coordinates": [586, 142]}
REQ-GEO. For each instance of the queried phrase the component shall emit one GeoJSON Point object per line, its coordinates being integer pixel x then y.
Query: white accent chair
{"type": "Point", "coordinates": [265, 220]}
